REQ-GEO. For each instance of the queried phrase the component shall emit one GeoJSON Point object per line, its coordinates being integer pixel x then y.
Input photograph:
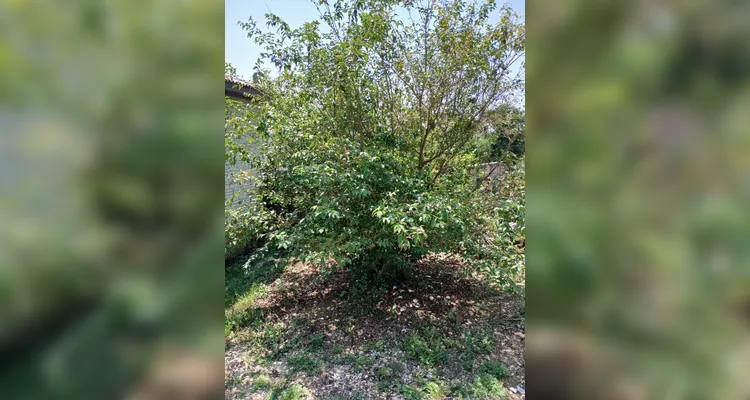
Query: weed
{"type": "Point", "coordinates": [411, 393]}
{"type": "Point", "coordinates": [237, 319]}
{"type": "Point", "coordinates": [294, 392]}
{"type": "Point", "coordinates": [233, 380]}
{"type": "Point", "coordinates": [436, 390]}
{"type": "Point", "coordinates": [473, 345]}
{"type": "Point", "coordinates": [379, 345]}
{"type": "Point", "coordinates": [494, 368]}
{"type": "Point", "coordinates": [337, 349]}
{"type": "Point", "coordinates": [269, 335]}
{"type": "Point", "coordinates": [350, 329]}
{"type": "Point", "coordinates": [467, 361]}
{"type": "Point", "coordinates": [427, 350]}
{"type": "Point", "coordinates": [384, 373]}
{"type": "Point", "coordinates": [362, 362]}
{"type": "Point", "coordinates": [316, 341]}
{"type": "Point", "coordinates": [299, 322]}
{"type": "Point", "coordinates": [476, 344]}
{"type": "Point", "coordinates": [305, 364]}
{"type": "Point", "coordinates": [484, 386]}
{"type": "Point", "coordinates": [397, 368]}
{"type": "Point", "coordinates": [487, 385]}
{"type": "Point", "coordinates": [261, 382]}
{"type": "Point", "coordinates": [294, 343]}
{"type": "Point", "coordinates": [347, 359]}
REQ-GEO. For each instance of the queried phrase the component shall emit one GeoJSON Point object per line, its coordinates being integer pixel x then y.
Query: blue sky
{"type": "Point", "coordinates": [242, 53]}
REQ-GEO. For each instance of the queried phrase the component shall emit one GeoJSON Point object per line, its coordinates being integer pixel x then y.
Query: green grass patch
{"type": "Point", "coordinates": [244, 283]}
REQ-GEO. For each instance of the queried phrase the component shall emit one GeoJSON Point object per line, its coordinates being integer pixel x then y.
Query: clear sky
{"type": "Point", "coordinates": [242, 53]}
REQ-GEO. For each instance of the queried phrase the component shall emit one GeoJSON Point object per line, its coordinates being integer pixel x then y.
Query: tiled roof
{"type": "Point", "coordinates": [236, 79]}
{"type": "Point", "coordinates": [239, 88]}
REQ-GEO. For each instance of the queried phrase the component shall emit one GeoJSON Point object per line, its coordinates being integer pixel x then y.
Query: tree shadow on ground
{"type": "Point", "coordinates": [455, 314]}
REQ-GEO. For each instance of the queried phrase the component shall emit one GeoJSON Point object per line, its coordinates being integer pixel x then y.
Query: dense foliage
{"type": "Point", "coordinates": [367, 132]}
{"type": "Point", "coordinates": [503, 137]}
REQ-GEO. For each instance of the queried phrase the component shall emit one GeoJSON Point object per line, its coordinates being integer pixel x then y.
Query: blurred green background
{"type": "Point", "coordinates": [638, 196]}
{"type": "Point", "coordinates": [111, 199]}
{"type": "Point", "coordinates": [638, 181]}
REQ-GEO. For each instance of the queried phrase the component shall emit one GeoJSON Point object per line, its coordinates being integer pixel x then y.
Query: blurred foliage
{"type": "Point", "coordinates": [638, 196]}
{"type": "Point", "coordinates": [110, 197]}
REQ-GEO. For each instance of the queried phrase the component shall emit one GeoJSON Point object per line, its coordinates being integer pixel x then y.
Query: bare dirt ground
{"type": "Point", "coordinates": [436, 335]}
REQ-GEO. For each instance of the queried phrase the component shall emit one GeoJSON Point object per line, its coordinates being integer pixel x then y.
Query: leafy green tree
{"type": "Point", "coordinates": [507, 125]}
{"type": "Point", "coordinates": [366, 131]}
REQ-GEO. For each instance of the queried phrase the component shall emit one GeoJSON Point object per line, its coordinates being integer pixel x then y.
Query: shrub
{"type": "Point", "coordinates": [364, 211]}
{"type": "Point", "coordinates": [245, 229]}
{"type": "Point", "coordinates": [363, 165]}
{"type": "Point", "coordinates": [497, 242]}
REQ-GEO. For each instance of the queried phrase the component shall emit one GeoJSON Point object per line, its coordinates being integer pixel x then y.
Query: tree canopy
{"type": "Point", "coordinates": [367, 129]}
